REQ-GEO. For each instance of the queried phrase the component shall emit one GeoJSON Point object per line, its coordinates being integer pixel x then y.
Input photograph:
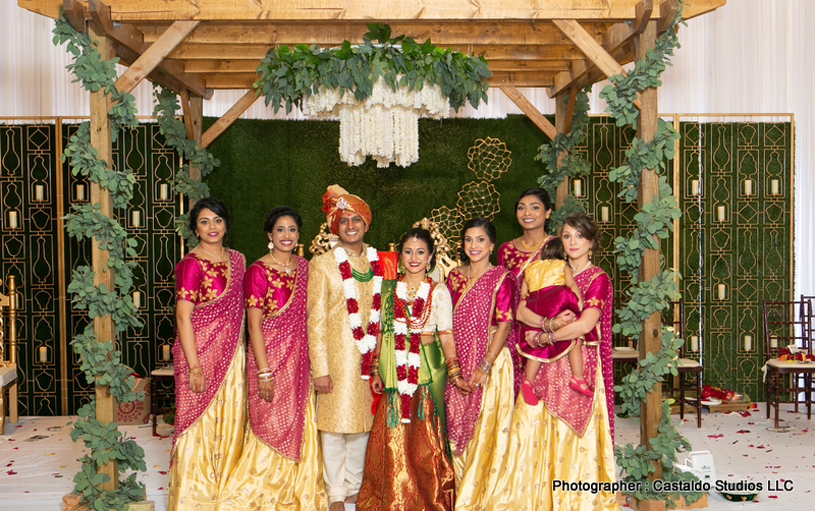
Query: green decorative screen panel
{"type": "Point", "coordinates": [36, 190]}
{"type": "Point", "coordinates": [735, 241]}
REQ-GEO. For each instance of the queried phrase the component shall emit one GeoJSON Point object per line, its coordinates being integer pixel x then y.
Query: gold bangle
{"type": "Point", "coordinates": [196, 370]}
{"type": "Point", "coordinates": [264, 371]}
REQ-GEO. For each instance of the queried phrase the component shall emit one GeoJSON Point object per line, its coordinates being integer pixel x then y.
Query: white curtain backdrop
{"type": "Point", "coordinates": [748, 57]}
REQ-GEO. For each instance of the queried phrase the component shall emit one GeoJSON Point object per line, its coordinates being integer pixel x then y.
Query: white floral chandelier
{"type": "Point", "coordinates": [384, 126]}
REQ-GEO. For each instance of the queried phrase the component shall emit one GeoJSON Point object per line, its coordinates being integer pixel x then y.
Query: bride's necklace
{"type": "Point", "coordinates": [217, 258]}
{"type": "Point", "coordinates": [287, 265]}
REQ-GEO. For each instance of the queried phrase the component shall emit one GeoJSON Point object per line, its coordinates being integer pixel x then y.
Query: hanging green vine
{"type": "Point", "coordinates": [175, 135]}
{"type": "Point", "coordinates": [561, 161]}
{"type": "Point", "coordinates": [288, 75]}
{"type": "Point", "coordinates": [101, 361]}
{"type": "Point", "coordinates": [654, 222]}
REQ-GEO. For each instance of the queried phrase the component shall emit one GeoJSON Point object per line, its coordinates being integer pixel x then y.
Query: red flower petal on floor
{"type": "Point", "coordinates": [772, 496]}
{"type": "Point", "coordinates": [745, 414]}
{"type": "Point", "coordinates": [743, 431]}
{"type": "Point", "coordinates": [715, 436]}
{"type": "Point", "coordinates": [11, 473]}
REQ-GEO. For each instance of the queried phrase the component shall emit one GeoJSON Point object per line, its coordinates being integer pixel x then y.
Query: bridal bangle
{"type": "Point", "coordinates": [374, 368]}
{"type": "Point", "coordinates": [196, 370]}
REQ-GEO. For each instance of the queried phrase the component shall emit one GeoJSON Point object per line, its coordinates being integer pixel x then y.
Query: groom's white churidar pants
{"type": "Point", "coordinates": [343, 463]}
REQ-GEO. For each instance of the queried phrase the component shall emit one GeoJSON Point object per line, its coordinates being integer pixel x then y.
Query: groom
{"type": "Point", "coordinates": [343, 316]}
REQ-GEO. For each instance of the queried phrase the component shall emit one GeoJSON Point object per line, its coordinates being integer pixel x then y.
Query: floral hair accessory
{"type": "Point", "coordinates": [337, 200]}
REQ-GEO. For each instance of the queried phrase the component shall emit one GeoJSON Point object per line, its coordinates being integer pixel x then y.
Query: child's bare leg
{"type": "Point", "coordinates": [531, 368]}
{"type": "Point", "coordinates": [576, 360]}
{"type": "Point", "coordinates": [578, 383]}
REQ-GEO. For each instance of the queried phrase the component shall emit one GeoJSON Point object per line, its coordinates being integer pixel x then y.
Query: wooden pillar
{"type": "Point", "coordinates": [195, 128]}
{"type": "Point", "coordinates": [103, 326]}
{"type": "Point", "coordinates": [561, 120]}
{"type": "Point", "coordinates": [651, 337]}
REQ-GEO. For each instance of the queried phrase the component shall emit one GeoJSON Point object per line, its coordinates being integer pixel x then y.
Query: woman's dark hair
{"type": "Point", "coordinates": [469, 224]}
{"type": "Point", "coordinates": [213, 205]}
{"type": "Point", "coordinates": [553, 250]}
{"type": "Point", "coordinates": [543, 196]}
{"type": "Point", "coordinates": [424, 235]}
{"type": "Point", "coordinates": [585, 225]}
{"type": "Point", "coordinates": [278, 212]}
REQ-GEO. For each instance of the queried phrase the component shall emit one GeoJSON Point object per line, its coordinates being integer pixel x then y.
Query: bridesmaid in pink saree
{"type": "Point", "coordinates": [532, 210]}
{"type": "Point", "coordinates": [281, 466]}
{"type": "Point", "coordinates": [568, 436]}
{"type": "Point", "coordinates": [208, 356]}
{"type": "Point", "coordinates": [478, 420]}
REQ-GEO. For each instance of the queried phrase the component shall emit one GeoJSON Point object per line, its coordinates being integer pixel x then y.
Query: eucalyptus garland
{"type": "Point", "coordinates": [654, 222]}
{"type": "Point", "coordinates": [101, 361]}
{"type": "Point", "coordinates": [288, 75]}
{"type": "Point", "coordinates": [175, 135]}
{"type": "Point", "coordinates": [561, 161]}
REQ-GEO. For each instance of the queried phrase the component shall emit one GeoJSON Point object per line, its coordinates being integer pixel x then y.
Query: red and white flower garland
{"type": "Point", "coordinates": [364, 339]}
{"type": "Point", "coordinates": [408, 361]}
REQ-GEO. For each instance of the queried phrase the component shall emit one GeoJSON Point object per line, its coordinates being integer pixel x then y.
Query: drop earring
{"type": "Point", "coordinates": [271, 246]}
{"type": "Point", "coordinates": [590, 254]}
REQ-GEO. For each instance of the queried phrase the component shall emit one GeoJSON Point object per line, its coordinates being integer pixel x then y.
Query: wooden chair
{"type": "Point", "coordinates": [161, 374]}
{"type": "Point", "coordinates": [689, 378]}
{"type": "Point", "coordinates": [8, 359]}
{"type": "Point", "coordinates": [787, 324]}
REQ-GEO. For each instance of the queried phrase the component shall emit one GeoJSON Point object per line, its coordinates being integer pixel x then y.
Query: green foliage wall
{"type": "Point", "coordinates": [268, 163]}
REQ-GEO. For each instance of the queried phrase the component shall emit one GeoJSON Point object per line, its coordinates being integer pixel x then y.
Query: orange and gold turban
{"type": "Point", "coordinates": [336, 200]}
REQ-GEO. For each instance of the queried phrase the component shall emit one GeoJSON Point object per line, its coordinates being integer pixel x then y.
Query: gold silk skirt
{"type": "Point", "coordinates": [209, 449]}
{"type": "Point", "coordinates": [407, 467]}
{"type": "Point", "coordinates": [478, 466]}
{"type": "Point", "coordinates": [544, 449]}
{"type": "Point", "coordinates": [265, 479]}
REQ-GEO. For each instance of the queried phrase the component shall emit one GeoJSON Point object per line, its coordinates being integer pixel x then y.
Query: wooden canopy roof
{"type": "Point", "coordinates": [205, 45]}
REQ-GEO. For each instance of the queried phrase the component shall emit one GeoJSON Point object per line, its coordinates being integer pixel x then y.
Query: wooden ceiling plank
{"type": "Point", "coordinates": [154, 55]}
{"type": "Point", "coordinates": [667, 13]}
{"type": "Point", "coordinates": [529, 109]}
{"type": "Point", "coordinates": [229, 117]}
{"type": "Point", "coordinates": [186, 51]}
{"type": "Point", "coordinates": [569, 114]}
{"type": "Point", "coordinates": [333, 33]}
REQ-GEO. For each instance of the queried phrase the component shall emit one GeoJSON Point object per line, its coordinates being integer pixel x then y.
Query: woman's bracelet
{"type": "Point", "coordinates": [485, 366]}
{"type": "Point", "coordinates": [454, 378]}
{"type": "Point", "coordinates": [451, 362]}
{"type": "Point", "coordinates": [266, 370]}
{"type": "Point", "coordinates": [373, 370]}
{"type": "Point", "coordinates": [266, 378]}
{"type": "Point", "coordinates": [196, 370]}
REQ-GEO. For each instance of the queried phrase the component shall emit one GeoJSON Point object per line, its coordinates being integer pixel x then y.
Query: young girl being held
{"type": "Point", "coordinates": [549, 289]}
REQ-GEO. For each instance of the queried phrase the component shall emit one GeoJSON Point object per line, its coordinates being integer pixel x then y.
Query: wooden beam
{"type": "Point", "coordinates": [343, 11]}
{"type": "Point", "coordinates": [561, 105]}
{"type": "Point", "coordinates": [648, 191]}
{"type": "Point", "coordinates": [187, 116]}
{"type": "Point", "coordinates": [232, 51]}
{"type": "Point", "coordinates": [667, 13]}
{"type": "Point", "coordinates": [153, 56]}
{"type": "Point", "coordinates": [75, 12]}
{"type": "Point", "coordinates": [613, 40]}
{"type": "Point", "coordinates": [100, 134]}
{"type": "Point", "coordinates": [196, 114]}
{"type": "Point", "coordinates": [592, 49]}
{"type": "Point", "coordinates": [127, 42]}
{"type": "Point", "coordinates": [569, 114]}
{"type": "Point", "coordinates": [229, 117]}
{"type": "Point", "coordinates": [529, 109]}
{"type": "Point", "coordinates": [333, 33]}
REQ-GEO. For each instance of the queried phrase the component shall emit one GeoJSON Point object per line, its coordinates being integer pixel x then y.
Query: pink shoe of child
{"type": "Point", "coordinates": [529, 394]}
{"type": "Point", "coordinates": [578, 385]}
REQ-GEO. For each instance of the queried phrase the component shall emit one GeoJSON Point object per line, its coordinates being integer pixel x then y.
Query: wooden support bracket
{"type": "Point", "coordinates": [529, 109]}
{"type": "Point", "coordinates": [229, 117]}
{"type": "Point", "coordinates": [155, 54]}
{"type": "Point", "coordinates": [615, 43]}
{"type": "Point", "coordinates": [129, 45]}
{"type": "Point", "coordinates": [592, 49]}
{"type": "Point", "coordinates": [75, 12]}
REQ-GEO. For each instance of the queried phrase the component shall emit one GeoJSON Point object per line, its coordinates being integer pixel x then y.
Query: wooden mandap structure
{"type": "Point", "coordinates": [195, 47]}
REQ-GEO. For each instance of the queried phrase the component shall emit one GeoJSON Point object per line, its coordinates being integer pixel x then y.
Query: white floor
{"type": "Point", "coordinates": [38, 459]}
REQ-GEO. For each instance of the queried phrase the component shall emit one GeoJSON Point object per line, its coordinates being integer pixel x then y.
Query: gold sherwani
{"type": "Point", "coordinates": [332, 350]}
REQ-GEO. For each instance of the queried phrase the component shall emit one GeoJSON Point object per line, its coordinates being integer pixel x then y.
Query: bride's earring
{"type": "Point", "coordinates": [271, 246]}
